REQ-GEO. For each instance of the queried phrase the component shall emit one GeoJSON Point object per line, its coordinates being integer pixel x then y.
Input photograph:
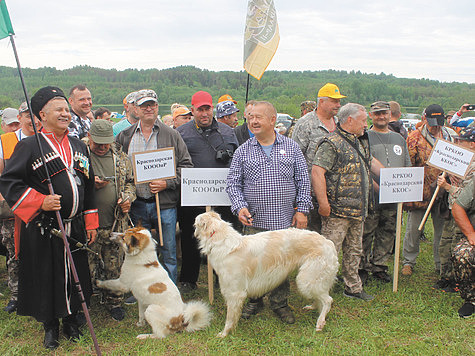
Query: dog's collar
{"type": "Point", "coordinates": [210, 236]}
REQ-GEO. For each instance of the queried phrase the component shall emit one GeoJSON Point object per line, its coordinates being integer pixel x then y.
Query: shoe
{"type": "Point", "coordinates": [130, 300]}
{"type": "Point", "coordinates": [466, 310]}
{"type": "Point", "coordinates": [51, 338]}
{"type": "Point", "coordinates": [71, 331]}
{"type": "Point", "coordinates": [363, 275]}
{"type": "Point", "coordinates": [383, 276]}
{"type": "Point", "coordinates": [252, 308]}
{"type": "Point", "coordinates": [11, 306]}
{"type": "Point", "coordinates": [445, 285]}
{"type": "Point", "coordinates": [406, 270]}
{"type": "Point", "coordinates": [80, 319]}
{"type": "Point", "coordinates": [187, 287]}
{"type": "Point", "coordinates": [361, 295]}
{"type": "Point", "coordinates": [285, 314]}
{"type": "Point", "coordinates": [117, 313]}
{"type": "Point", "coordinates": [423, 237]}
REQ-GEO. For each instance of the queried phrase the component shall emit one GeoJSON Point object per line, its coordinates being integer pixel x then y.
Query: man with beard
{"type": "Point", "coordinates": [45, 289]}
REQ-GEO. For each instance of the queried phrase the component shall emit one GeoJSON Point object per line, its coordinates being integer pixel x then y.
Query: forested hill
{"type": "Point", "coordinates": [285, 89]}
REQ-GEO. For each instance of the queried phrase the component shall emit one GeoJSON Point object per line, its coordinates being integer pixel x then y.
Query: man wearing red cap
{"type": "Point", "coordinates": [211, 144]}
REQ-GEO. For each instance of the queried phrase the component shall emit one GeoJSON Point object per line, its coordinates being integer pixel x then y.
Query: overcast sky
{"type": "Point", "coordinates": [412, 39]}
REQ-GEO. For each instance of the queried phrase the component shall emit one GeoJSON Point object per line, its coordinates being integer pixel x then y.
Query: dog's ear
{"type": "Point", "coordinates": [139, 223]}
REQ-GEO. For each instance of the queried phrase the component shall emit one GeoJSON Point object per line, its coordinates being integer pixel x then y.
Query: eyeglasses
{"type": "Point", "coordinates": [147, 105]}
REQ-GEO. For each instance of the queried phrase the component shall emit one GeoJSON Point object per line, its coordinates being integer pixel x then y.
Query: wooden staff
{"type": "Point", "coordinates": [157, 201]}
{"type": "Point", "coordinates": [210, 275]}
{"type": "Point", "coordinates": [421, 226]}
{"type": "Point", "coordinates": [397, 247]}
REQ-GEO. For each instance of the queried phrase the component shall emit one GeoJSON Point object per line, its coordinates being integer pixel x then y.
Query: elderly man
{"type": "Point", "coordinates": [148, 134]}
{"type": "Point", "coordinates": [420, 143]}
{"type": "Point", "coordinates": [81, 103]}
{"type": "Point", "coordinates": [463, 212]}
{"type": "Point", "coordinates": [226, 112]}
{"type": "Point", "coordinates": [390, 149]}
{"type": "Point", "coordinates": [130, 114]}
{"type": "Point", "coordinates": [260, 169]}
{"type": "Point", "coordinates": [115, 191]}
{"type": "Point", "coordinates": [211, 145]}
{"type": "Point", "coordinates": [341, 181]}
{"type": "Point", "coordinates": [8, 142]}
{"type": "Point", "coordinates": [10, 122]}
{"type": "Point", "coordinates": [313, 127]}
{"type": "Point", "coordinates": [45, 288]}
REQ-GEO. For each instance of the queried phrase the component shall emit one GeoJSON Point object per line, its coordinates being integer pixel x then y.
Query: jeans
{"type": "Point", "coordinates": [146, 212]}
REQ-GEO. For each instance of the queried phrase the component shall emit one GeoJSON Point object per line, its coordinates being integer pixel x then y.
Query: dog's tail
{"type": "Point", "coordinates": [197, 315]}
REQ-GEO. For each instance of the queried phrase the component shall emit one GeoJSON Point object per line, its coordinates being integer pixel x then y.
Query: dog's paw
{"type": "Point", "coordinates": [140, 323]}
{"type": "Point", "coordinates": [99, 283]}
{"type": "Point", "coordinates": [144, 336]}
{"type": "Point", "coordinates": [308, 307]}
{"type": "Point", "coordinates": [320, 326]}
{"type": "Point", "coordinates": [222, 334]}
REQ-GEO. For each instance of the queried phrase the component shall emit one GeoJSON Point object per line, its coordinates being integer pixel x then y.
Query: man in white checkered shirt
{"type": "Point", "coordinates": [269, 189]}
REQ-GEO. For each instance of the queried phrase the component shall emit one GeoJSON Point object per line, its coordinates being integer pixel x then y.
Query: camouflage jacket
{"type": "Point", "coordinates": [347, 174]}
{"type": "Point", "coordinates": [308, 133]}
{"type": "Point", "coordinates": [419, 144]}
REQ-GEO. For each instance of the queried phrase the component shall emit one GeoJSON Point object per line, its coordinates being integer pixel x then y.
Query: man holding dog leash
{"type": "Point", "coordinates": [269, 189]}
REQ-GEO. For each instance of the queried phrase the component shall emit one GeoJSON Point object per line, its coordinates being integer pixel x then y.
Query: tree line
{"type": "Point", "coordinates": [285, 89]}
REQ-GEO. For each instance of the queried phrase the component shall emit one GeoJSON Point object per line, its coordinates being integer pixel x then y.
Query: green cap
{"type": "Point", "coordinates": [101, 132]}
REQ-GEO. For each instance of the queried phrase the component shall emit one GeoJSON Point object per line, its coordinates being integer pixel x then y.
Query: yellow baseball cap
{"type": "Point", "coordinates": [330, 90]}
{"type": "Point", "coordinates": [226, 97]}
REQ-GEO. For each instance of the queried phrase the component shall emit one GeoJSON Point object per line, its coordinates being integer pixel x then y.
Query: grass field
{"type": "Point", "coordinates": [416, 320]}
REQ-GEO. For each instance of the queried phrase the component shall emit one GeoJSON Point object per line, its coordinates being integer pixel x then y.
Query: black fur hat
{"type": "Point", "coordinates": [42, 96]}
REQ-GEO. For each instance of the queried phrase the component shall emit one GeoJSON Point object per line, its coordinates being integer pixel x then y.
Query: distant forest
{"type": "Point", "coordinates": [285, 89]}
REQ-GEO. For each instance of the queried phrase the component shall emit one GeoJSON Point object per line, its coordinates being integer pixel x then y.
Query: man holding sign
{"type": "Point", "coordinates": [420, 143]}
{"type": "Point", "coordinates": [149, 134]}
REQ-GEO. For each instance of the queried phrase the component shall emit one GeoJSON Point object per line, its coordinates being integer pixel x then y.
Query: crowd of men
{"type": "Point", "coordinates": [322, 175]}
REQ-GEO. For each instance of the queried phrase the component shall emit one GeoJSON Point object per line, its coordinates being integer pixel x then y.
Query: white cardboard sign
{"type": "Point", "coordinates": [402, 184]}
{"type": "Point", "coordinates": [451, 158]}
{"type": "Point", "coordinates": [156, 164]}
{"type": "Point", "coordinates": [204, 187]}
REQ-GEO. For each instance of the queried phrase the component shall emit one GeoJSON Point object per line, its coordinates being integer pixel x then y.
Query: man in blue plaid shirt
{"type": "Point", "coordinates": [269, 189]}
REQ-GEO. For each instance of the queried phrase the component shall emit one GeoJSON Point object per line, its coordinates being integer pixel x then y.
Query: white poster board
{"type": "Point", "coordinates": [156, 164]}
{"type": "Point", "coordinates": [402, 184]}
{"type": "Point", "coordinates": [204, 187]}
{"type": "Point", "coordinates": [451, 158]}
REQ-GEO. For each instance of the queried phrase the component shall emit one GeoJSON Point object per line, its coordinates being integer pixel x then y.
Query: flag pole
{"type": "Point", "coordinates": [58, 216]}
{"type": "Point", "coordinates": [247, 88]}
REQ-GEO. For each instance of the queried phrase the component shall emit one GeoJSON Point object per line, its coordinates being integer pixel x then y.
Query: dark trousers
{"type": "Point", "coordinates": [190, 253]}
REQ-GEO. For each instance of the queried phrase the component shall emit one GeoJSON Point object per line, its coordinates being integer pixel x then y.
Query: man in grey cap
{"type": "Point", "coordinates": [390, 149]}
{"type": "Point", "coordinates": [226, 112]}
{"type": "Point", "coordinates": [10, 122]}
{"type": "Point", "coordinates": [115, 191]}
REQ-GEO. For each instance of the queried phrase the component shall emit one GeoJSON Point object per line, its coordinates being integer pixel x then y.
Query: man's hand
{"type": "Point", "coordinates": [124, 205]}
{"type": "Point", "coordinates": [299, 220]}
{"type": "Point", "coordinates": [99, 183]}
{"type": "Point", "coordinates": [463, 109]}
{"type": "Point", "coordinates": [157, 185]}
{"type": "Point", "coordinates": [324, 210]}
{"type": "Point", "coordinates": [245, 217]}
{"type": "Point", "coordinates": [471, 238]}
{"type": "Point", "coordinates": [51, 203]}
{"type": "Point", "coordinates": [442, 182]}
{"type": "Point", "coordinates": [91, 236]}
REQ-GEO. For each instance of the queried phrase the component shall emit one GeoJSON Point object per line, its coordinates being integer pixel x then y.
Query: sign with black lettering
{"type": "Point", "coordinates": [400, 185]}
{"type": "Point", "coordinates": [204, 187]}
{"type": "Point", "coordinates": [451, 158]}
{"type": "Point", "coordinates": [156, 164]}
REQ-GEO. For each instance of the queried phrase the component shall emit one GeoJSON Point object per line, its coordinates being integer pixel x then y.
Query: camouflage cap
{"type": "Point", "coordinates": [225, 108]}
{"type": "Point", "coordinates": [379, 106]}
{"type": "Point", "coordinates": [308, 105]}
{"type": "Point", "coordinates": [23, 107]}
{"type": "Point", "coordinates": [130, 98]}
{"type": "Point", "coordinates": [145, 95]}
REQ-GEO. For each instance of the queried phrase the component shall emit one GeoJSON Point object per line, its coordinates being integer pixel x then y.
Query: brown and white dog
{"type": "Point", "coordinates": [158, 297]}
{"type": "Point", "coordinates": [252, 265]}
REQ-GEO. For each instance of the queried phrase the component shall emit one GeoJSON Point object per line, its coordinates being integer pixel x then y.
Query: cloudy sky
{"type": "Point", "coordinates": [412, 39]}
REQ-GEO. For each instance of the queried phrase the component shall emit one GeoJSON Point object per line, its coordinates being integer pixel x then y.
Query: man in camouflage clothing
{"type": "Point", "coordinates": [451, 234]}
{"type": "Point", "coordinates": [463, 212]}
{"type": "Point", "coordinates": [115, 191]}
{"type": "Point", "coordinates": [341, 182]}
{"type": "Point", "coordinates": [310, 130]}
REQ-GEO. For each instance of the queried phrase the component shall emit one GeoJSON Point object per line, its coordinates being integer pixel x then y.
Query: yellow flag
{"type": "Point", "coordinates": [261, 36]}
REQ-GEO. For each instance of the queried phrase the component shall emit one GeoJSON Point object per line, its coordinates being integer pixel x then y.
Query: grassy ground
{"type": "Point", "coordinates": [416, 320]}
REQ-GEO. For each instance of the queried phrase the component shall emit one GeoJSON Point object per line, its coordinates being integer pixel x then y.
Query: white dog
{"type": "Point", "coordinates": [252, 265]}
{"type": "Point", "coordinates": [158, 297]}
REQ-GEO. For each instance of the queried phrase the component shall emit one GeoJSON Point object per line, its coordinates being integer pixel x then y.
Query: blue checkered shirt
{"type": "Point", "coordinates": [270, 187]}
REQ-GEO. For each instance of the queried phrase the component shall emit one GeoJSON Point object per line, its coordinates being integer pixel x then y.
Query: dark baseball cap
{"type": "Point", "coordinates": [435, 115]}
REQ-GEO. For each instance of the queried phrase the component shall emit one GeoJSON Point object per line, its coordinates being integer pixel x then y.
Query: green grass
{"type": "Point", "coordinates": [416, 320]}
